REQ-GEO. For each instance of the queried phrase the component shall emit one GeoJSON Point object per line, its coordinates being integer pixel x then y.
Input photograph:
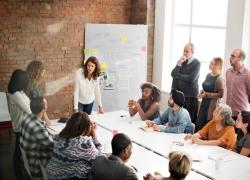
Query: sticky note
{"type": "Point", "coordinates": [104, 66]}
{"type": "Point", "coordinates": [94, 51]}
{"type": "Point", "coordinates": [86, 51]}
{"type": "Point", "coordinates": [143, 48]}
{"type": "Point", "coordinates": [123, 38]}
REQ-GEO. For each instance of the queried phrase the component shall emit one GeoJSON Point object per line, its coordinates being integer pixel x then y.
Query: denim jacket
{"type": "Point", "coordinates": [176, 122]}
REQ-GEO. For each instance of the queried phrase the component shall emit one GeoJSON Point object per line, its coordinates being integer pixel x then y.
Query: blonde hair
{"type": "Point", "coordinates": [218, 62]}
{"type": "Point", "coordinates": [179, 165]}
{"type": "Point", "coordinates": [34, 71]}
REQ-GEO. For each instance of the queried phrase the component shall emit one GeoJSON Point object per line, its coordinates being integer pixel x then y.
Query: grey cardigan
{"type": "Point", "coordinates": [215, 96]}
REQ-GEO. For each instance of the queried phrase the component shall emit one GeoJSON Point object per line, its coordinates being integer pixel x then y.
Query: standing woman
{"type": "Point", "coordinates": [35, 71]}
{"type": "Point", "coordinates": [211, 94]}
{"type": "Point", "coordinates": [86, 86]}
{"type": "Point", "coordinates": [19, 108]}
{"type": "Point", "coordinates": [148, 105]}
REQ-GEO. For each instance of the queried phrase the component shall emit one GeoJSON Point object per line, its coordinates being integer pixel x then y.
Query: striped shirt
{"type": "Point", "coordinates": [37, 142]}
{"type": "Point", "coordinates": [72, 158]}
{"type": "Point", "coordinates": [238, 89]}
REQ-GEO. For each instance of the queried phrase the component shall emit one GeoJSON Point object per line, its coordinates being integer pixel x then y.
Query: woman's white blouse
{"type": "Point", "coordinates": [85, 90]}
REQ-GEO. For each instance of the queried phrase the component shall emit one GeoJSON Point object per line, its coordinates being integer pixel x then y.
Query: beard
{"type": "Point", "coordinates": [170, 104]}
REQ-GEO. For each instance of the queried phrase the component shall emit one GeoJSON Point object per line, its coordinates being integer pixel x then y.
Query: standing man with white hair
{"type": "Point", "coordinates": [185, 78]}
{"type": "Point", "coordinates": [238, 83]}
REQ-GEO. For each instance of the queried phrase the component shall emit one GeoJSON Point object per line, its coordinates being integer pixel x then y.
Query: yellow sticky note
{"type": "Point", "coordinates": [94, 51]}
{"type": "Point", "coordinates": [86, 51]}
{"type": "Point", "coordinates": [104, 66]}
{"type": "Point", "coordinates": [123, 38]}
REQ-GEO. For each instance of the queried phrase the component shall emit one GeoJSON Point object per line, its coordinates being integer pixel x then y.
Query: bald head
{"type": "Point", "coordinates": [241, 54]}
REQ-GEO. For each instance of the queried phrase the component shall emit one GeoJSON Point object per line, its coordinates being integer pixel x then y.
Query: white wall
{"type": "Point", "coordinates": [237, 36]}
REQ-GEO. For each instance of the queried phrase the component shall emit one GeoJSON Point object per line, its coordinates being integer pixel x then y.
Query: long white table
{"type": "Point", "coordinates": [232, 165]}
{"type": "Point", "coordinates": [143, 159]}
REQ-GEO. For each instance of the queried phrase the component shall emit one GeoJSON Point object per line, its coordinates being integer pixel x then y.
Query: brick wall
{"type": "Point", "coordinates": [52, 31]}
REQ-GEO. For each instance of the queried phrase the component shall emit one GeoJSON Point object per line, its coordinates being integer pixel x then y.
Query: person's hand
{"type": "Point", "coordinates": [148, 177]}
{"type": "Point", "coordinates": [182, 59]}
{"type": "Point", "coordinates": [101, 111]}
{"type": "Point", "coordinates": [130, 103]}
{"type": "Point", "coordinates": [202, 94]}
{"type": "Point", "coordinates": [188, 137]}
{"type": "Point", "coordinates": [47, 123]}
{"type": "Point", "coordinates": [93, 129]}
{"type": "Point", "coordinates": [196, 140]}
{"type": "Point", "coordinates": [156, 128]}
{"type": "Point", "coordinates": [149, 123]}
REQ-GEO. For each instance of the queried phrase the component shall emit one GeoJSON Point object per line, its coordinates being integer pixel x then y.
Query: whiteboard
{"type": "Point", "coordinates": [122, 51]}
{"type": "Point", "coordinates": [4, 111]}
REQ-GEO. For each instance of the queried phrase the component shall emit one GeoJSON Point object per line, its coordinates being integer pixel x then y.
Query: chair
{"type": "Point", "coordinates": [193, 126]}
{"type": "Point", "coordinates": [27, 167]}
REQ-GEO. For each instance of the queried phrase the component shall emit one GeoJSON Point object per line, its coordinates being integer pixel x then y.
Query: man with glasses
{"type": "Point", "coordinates": [238, 83]}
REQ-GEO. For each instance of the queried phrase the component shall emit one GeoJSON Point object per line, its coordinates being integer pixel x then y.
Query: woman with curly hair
{"type": "Point", "coordinates": [86, 86]}
{"type": "Point", "coordinates": [35, 71]}
{"type": "Point", "coordinates": [148, 106]}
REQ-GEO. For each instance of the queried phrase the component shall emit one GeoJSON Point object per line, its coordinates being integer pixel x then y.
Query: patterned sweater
{"type": "Point", "coordinates": [72, 158]}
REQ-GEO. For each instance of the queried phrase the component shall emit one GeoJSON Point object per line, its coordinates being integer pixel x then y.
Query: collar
{"type": "Point", "coordinates": [175, 112]}
{"type": "Point", "coordinates": [115, 158]}
{"type": "Point", "coordinates": [241, 70]}
{"type": "Point", "coordinates": [39, 120]}
{"type": "Point", "coordinates": [190, 60]}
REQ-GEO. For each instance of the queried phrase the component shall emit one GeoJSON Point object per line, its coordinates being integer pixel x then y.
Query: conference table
{"type": "Point", "coordinates": [211, 161]}
{"type": "Point", "coordinates": [143, 159]}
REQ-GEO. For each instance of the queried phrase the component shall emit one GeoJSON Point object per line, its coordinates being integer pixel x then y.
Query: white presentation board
{"type": "Point", "coordinates": [122, 51]}
{"type": "Point", "coordinates": [4, 111]}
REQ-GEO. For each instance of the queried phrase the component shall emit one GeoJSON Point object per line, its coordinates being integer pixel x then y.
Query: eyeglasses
{"type": "Point", "coordinates": [233, 56]}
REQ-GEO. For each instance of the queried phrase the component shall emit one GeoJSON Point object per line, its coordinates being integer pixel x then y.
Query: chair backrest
{"type": "Point", "coordinates": [44, 172]}
{"type": "Point", "coordinates": [27, 167]}
{"type": "Point", "coordinates": [193, 125]}
{"type": "Point", "coordinates": [25, 160]}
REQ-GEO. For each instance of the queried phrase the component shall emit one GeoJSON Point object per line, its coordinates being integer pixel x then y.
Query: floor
{"type": "Point", "coordinates": [6, 154]}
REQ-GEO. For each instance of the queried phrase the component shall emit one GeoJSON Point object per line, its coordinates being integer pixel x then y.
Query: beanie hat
{"type": "Point", "coordinates": [178, 97]}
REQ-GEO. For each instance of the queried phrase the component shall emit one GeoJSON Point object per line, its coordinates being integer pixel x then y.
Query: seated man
{"type": "Point", "coordinates": [179, 166]}
{"type": "Point", "coordinates": [175, 119]}
{"type": "Point", "coordinates": [114, 167]}
{"type": "Point", "coordinates": [35, 138]}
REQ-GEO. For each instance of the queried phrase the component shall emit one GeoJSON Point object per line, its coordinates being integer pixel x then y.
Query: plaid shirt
{"type": "Point", "coordinates": [37, 142]}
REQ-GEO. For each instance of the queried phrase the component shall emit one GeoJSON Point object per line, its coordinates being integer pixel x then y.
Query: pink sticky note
{"type": "Point", "coordinates": [143, 48]}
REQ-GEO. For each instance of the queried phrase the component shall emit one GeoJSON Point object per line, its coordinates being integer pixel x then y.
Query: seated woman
{"type": "Point", "coordinates": [243, 136]}
{"type": "Point", "coordinates": [147, 106]}
{"type": "Point", "coordinates": [179, 166]}
{"type": "Point", "coordinates": [74, 148]}
{"type": "Point", "coordinates": [219, 131]}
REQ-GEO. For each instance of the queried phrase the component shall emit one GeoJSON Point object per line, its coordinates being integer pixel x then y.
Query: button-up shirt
{"type": "Point", "coordinates": [37, 142]}
{"type": "Point", "coordinates": [85, 90]}
{"type": "Point", "coordinates": [176, 121]}
{"type": "Point", "coordinates": [238, 89]}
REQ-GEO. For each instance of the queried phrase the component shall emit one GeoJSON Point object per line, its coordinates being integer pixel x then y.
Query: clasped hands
{"type": "Point", "coordinates": [132, 104]}
{"type": "Point", "coordinates": [152, 124]}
